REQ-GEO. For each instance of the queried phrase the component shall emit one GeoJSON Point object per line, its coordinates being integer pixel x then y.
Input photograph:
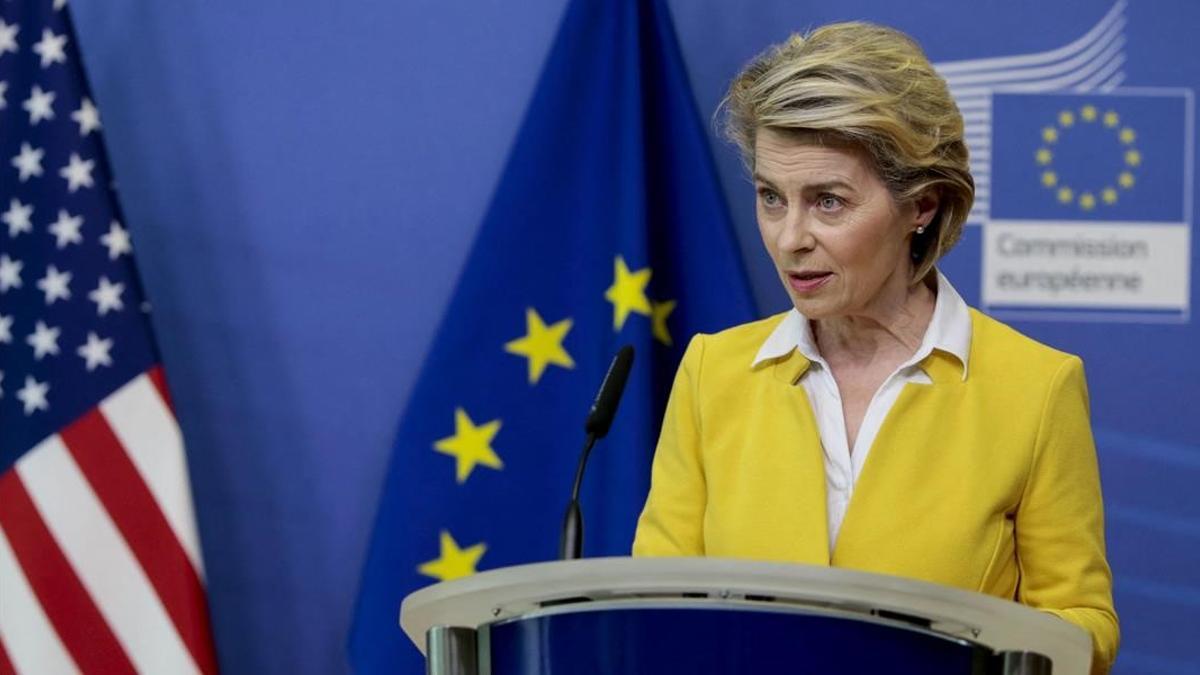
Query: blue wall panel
{"type": "Point", "coordinates": [302, 181]}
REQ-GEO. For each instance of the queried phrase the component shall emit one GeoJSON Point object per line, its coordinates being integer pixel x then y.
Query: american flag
{"type": "Point", "coordinates": [100, 566]}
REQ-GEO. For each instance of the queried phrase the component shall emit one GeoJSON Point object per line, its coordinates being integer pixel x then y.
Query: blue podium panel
{"type": "Point", "coordinates": [707, 641]}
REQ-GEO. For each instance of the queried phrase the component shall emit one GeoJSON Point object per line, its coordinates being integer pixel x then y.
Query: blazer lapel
{"type": "Point", "coordinates": [796, 429]}
{"type": "Point", "coordinates": [870, 516]}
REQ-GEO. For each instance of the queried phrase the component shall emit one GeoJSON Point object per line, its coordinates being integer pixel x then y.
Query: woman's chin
{"type": "Point", "coordinates": [813, 309]}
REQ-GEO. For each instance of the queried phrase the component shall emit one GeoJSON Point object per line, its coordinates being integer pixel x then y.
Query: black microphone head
{"type": "Point", "coordinates": [604, 408]}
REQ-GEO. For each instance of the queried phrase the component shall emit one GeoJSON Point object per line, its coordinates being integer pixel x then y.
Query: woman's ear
{"type": "Point", "coordinates": [926, 207]}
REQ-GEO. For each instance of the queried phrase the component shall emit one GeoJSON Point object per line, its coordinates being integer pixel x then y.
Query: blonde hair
{"type": "Point", "coordinates": [871, 86]}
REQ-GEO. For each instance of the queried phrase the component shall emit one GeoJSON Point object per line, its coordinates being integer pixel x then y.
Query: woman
{"type": "Point", "coordinates": [966, 446]}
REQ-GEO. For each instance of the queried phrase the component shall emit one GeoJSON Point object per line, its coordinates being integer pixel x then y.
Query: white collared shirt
{"type": "Point", "coordinates": [949, 330]}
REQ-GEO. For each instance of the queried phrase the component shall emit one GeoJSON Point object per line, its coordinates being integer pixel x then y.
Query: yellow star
{"type": "Point", "coordinates": [470, 445]}
{"type": "Point", "coordinates": [1066, 118]}
{"type": "Point", "coordinates": [1109, 195]}
{"type": "Point", "coordinates": [1133, 157]}
{"type": "Point", "coordinates": [1044, 156]}
{"type": "Point", "coordinates": [1087, 201]}
{"type": "Point", "coordinates": [1049, 178]}
{"type": "Point", "coordinates": [1127, 135]}
{"type": "Point", "coordinates": [542, 345]}
{"type": "Point", "coordinates": [628, 292]}
{"type": "Point", "coordinates": [454, 562]}
{"type": "Point", "coordinates": [1088, 113]}
{"type": "Point", "coordinates": [1050, 134]}
{"type": "Point", "coordinates": [658, 320]}
{"type": "Point", "coordinates": [1125, 179]}
{"type": "Point", "coordinates": [1065, 195]}
{"type": "Point", "coordinates": [1111, 118]}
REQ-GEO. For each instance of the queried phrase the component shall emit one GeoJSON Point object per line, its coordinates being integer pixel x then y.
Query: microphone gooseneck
{"type": "Point", "coordinates": [599, 419]}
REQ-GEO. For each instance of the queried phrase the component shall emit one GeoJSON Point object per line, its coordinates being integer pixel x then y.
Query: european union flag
{"type": "Point", "coordinates": [1110, 157]}
{"type": "Point", "coordinates": [1090, 213]}
{"type": "Point", "coordinates": [608, 227]}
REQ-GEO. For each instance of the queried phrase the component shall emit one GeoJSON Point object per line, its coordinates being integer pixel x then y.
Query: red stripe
{"type": "Point", "coordinates": [159, 377]}
{"type": "Point", "coordinates": [132, 507]}
{"type": "Point", "coordinates": [74, 616]}
{"type": "Point", "coordinates": [6, 666]}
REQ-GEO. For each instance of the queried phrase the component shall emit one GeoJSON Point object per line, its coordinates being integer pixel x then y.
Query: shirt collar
{"type": "Point", "coordinates": [949, 331]}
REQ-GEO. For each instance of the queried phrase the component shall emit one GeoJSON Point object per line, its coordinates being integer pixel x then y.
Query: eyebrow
{"type": "Point", "coordinates": [812, 187]}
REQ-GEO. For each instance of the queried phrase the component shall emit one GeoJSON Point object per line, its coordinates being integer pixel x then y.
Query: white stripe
{"type": "Point", "coordinates": [1006, 62]}
{"type": "Point", "coordinates": [150, 434]}
{"type": "Point", "coordinates": [102, 560]}
{"type": "Point", "coordinates": [1051, 84]}
{"type": "Point", "coordinates": [1105, 73]}
{"type": "Point", "coordinates": [978, 116]}
{"type": "Point", "coordinates": [978, 137]}
{"type": "Point", "coordinates": [1114, 37]}
{"type": "Point", "coordinates": [1113, 83]}
{"type": "Point", "coordinates": [966, 103]}
{"type": "Point", "coordinates": [28, 636]}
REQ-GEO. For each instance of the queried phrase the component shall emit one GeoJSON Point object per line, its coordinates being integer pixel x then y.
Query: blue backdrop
{"type": "Point", "coordinates": [303, 181]}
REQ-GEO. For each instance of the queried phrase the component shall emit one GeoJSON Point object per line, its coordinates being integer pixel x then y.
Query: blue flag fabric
{"type": "Point", "coordinates": [1113, 157]}
{"type": "Point", "coordinates": [608, 228]}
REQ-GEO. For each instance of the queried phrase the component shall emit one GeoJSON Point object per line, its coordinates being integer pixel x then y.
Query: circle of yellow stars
{"type": "Point", "coordinates": [542, 346]}
{"type": "Point", "coordinates": [1088, 199]}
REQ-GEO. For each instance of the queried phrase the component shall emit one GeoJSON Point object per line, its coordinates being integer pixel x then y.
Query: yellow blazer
{"type": "Point", "coordinates": [987, 483]}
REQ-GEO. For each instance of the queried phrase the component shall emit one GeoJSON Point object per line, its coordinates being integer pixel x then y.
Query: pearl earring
{"type": "Point", "coordinates": [921, 229]}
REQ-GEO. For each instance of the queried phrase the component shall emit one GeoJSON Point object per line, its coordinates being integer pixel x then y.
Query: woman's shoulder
{"type": "Point", "coordinates": [998, 348]}
{"type": "Point", "coordinates": [738, 342]}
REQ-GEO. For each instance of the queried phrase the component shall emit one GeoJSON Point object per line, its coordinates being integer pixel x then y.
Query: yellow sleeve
{"type": "Point", "coordinates": [1060, 521]}
{"type": "Point", "coordinates": [672, 522]}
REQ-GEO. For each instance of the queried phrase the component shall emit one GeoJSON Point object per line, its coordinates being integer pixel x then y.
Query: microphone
{"type": "Point", "coordinates": [599, 419]}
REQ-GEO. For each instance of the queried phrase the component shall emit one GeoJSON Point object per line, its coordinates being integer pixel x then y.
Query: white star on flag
{"type": "Point", "coordinates": [39, 105]}
{"type": "Point", "coordinates": [33, 395]}
{"type": "Point", "coordinates": [88, 117]}
{"type": "Point", "coordinates": [59, 4]}
{"type": "Point", "coordinates": [51, 47]}
{"type": "Point", "coordinates": [44, 340]}
{"type": "Point", "coordinates": [10, 273]}
{"type": "Point", "coordinates": [96, 351]}
{"type": "Point", "coordinates": [6, 329]}
{"type": "Point", "coordinates": [17, 217]}
{"type": "Point", "coordinates": [3, 90]}
{"type": "Point", "coordinates": [8, 37]}
{"type": "Point", "coordinates": [55, 285]}
{"type": "Point", "coordinates": [117, 240]}
{"type": "Point", "coordinates": [107, 296]}
{"type": "Point", "coordinates": [1, 380]}
{"type": "Point", "coordinates": [78, 172]}
{"type": "Point", "coordinates": [28, 162]}
{"type": "Point", "coordinates": [66, 229]}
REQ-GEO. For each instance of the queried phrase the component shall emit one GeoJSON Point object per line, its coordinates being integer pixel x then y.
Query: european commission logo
{"type": "Point", "coordinates": [1090, 205]}
{"type": "Point", "coordinates": [1083, 184]}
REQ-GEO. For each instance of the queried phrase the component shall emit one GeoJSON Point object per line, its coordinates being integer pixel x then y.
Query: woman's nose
{"type": "Point", "coordinates": [796, 233]}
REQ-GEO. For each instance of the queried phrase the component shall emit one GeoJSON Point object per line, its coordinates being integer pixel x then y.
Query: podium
{"type": "Point", "coordinates": [716, 616]}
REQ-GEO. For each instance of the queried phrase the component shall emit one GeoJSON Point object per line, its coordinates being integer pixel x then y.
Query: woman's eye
{"type": "Point", "coordinates": [829, 202]}
{"type": "Point", "coordinates": [770, 198]}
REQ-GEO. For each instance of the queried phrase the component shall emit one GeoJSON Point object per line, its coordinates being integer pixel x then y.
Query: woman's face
{"type": "Point", "coordinates": [838, 239]}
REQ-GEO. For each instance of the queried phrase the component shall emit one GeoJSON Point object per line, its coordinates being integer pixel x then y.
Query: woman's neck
{"type": "Point", "coordinates": [894, 324]}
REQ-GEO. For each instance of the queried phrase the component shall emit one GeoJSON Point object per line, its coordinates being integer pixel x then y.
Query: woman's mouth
{"type": "Point", "coordinates": [806, 282]}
